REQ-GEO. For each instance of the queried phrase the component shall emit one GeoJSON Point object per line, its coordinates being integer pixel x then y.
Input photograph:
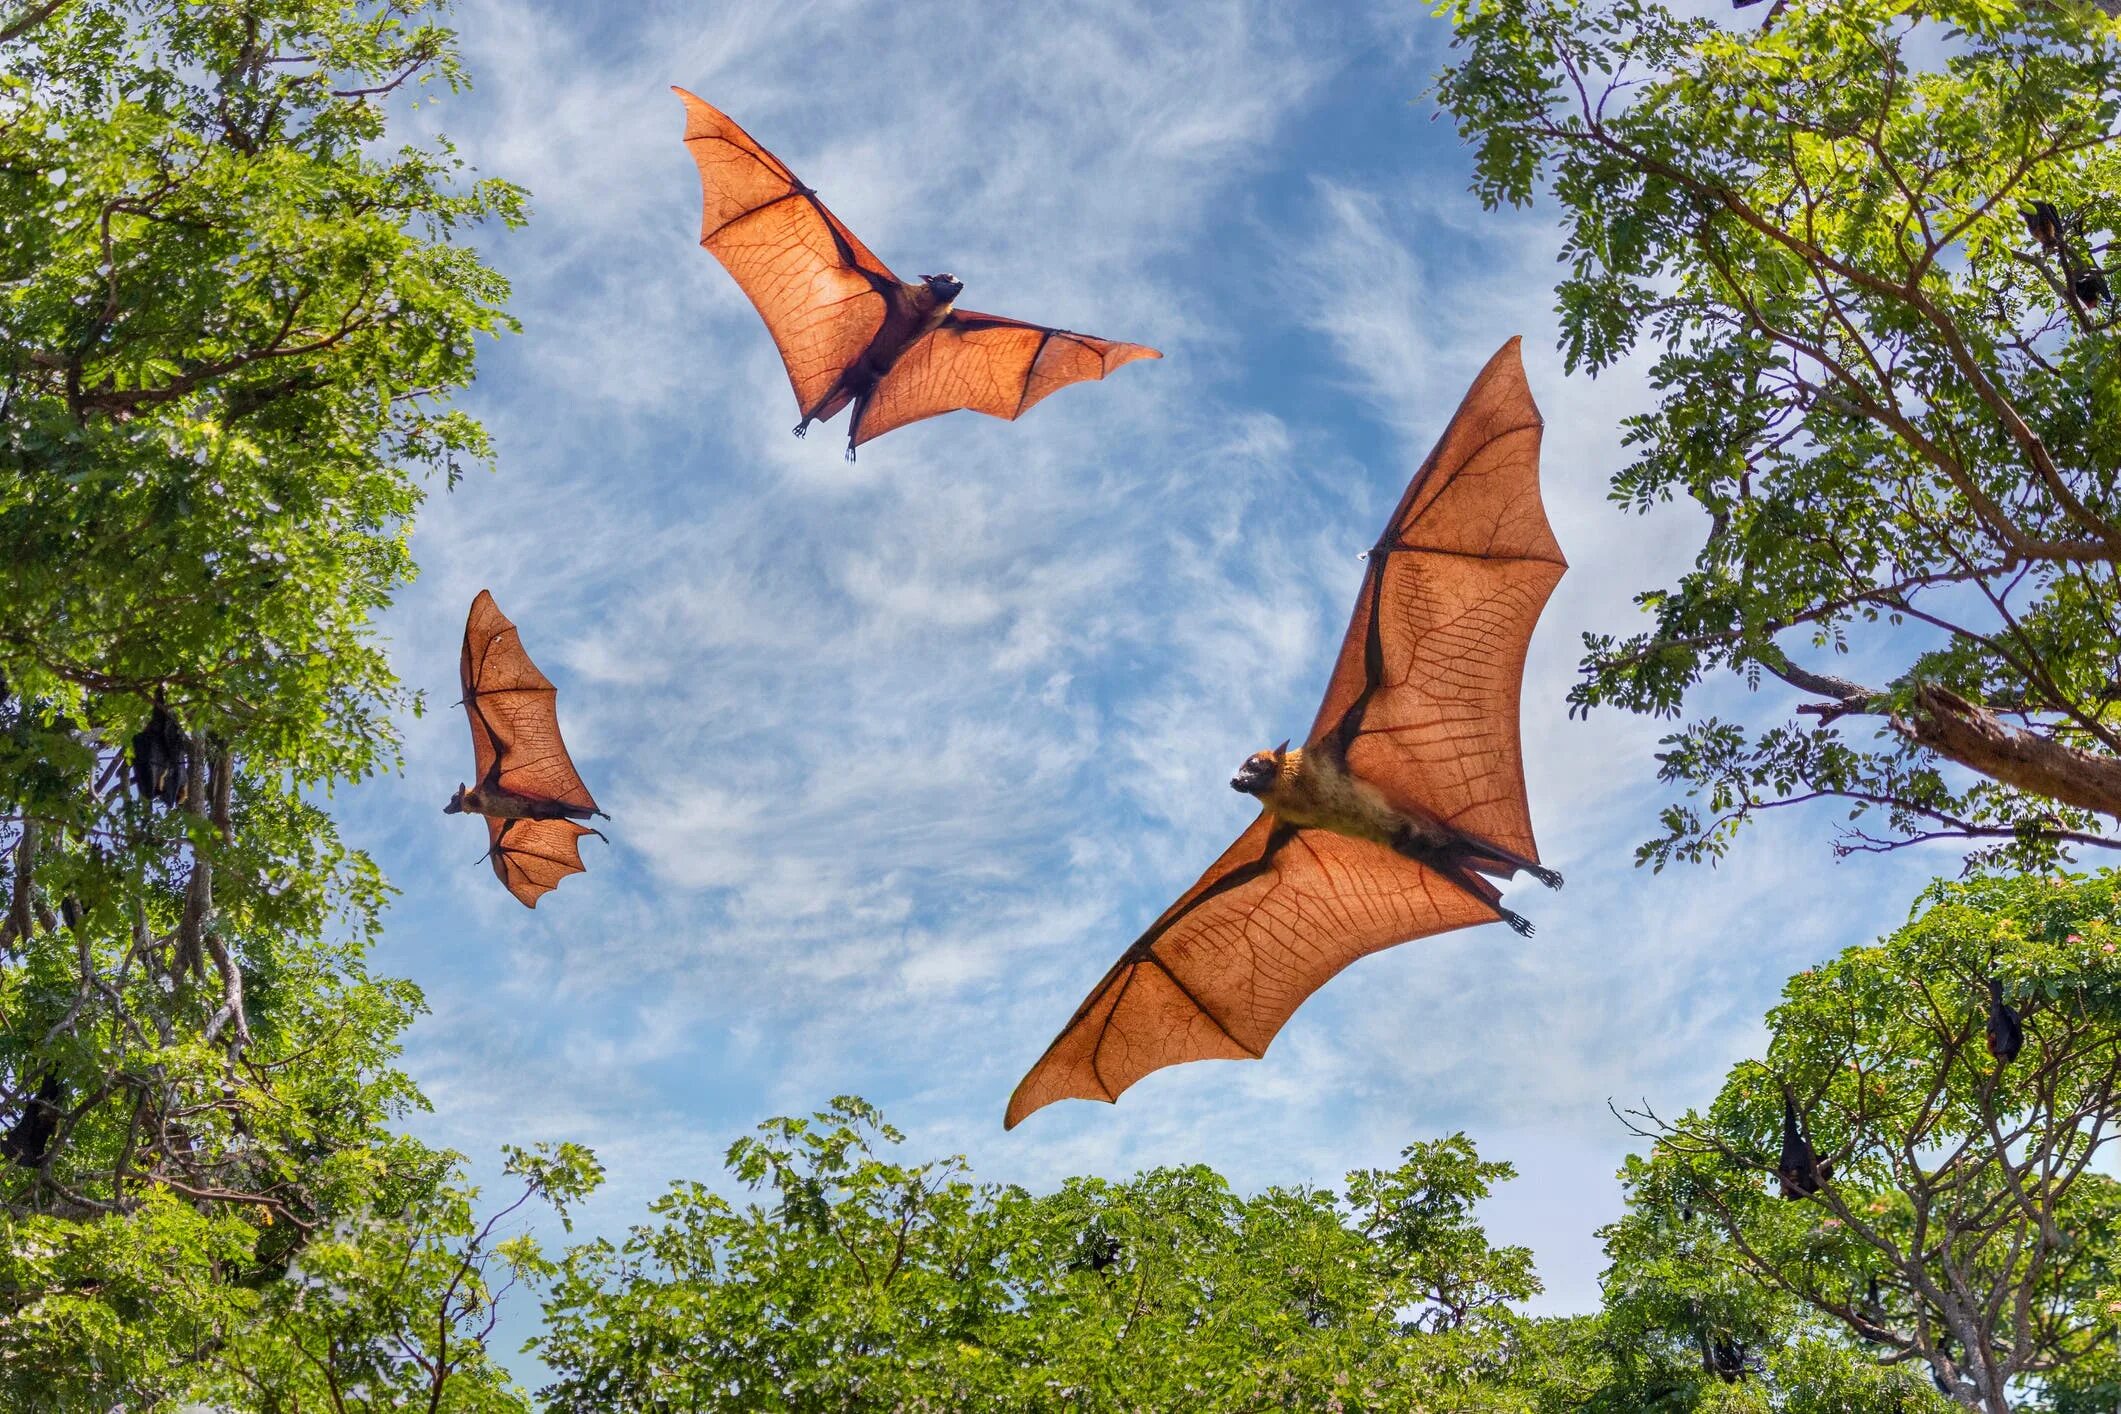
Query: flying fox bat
{"type": "Point", "coordinates": [1408, 790]}
{"type": "Point", "coordinates": [848, 329]}
{"type": "Point", "coordinates": [160, 753]}
{"type": "Point", "coordinates": [31, 1134]}
{"type": "Point", "coordinates": [2006, 1033]}
{"type": "Point", "coordinates": [1800, 1170]}
{"type": "Point", "coordinates": [2044, 224]}
{"type": "Point", "coordinates": [527, 787]}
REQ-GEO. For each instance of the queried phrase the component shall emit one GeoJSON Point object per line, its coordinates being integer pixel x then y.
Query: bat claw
{"type": "Point", "coordinates": [1550, 877]}
{"type": "Point", "coordinates": [801, 429]}
{"type": "Point", "coordinates": [850, 454]}
{"type": "Point", "coordinates": [1520, 924]}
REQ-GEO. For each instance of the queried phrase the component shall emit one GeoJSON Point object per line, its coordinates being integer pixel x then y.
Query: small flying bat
{"type": "Point", "coordinates": [1800, 1170]}
{"type": "Point", "coordinates": [527, 787]}
{"type": "Point", "coordinates": [2006, 1033]}
{"type": "Point", "coordinates": [1408, 790]}
{"type": "Point", "coordinates": [848, 329]}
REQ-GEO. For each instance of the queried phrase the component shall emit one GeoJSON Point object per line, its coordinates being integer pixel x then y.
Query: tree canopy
{"type": "Point", "coordinates": [855, 1281]}
{"type": "Point", "coordinates": [231, 318]}
{"type": "Point", "coordinates": [1864, 244]}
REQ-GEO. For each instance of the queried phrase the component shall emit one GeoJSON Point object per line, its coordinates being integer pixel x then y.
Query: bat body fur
{"type": "Point", "coordinates": [1309, 787]}
{"type": "Point", "coordinates": [498, 804]}
{"type": "Point", "coordinates": [1312, 788]}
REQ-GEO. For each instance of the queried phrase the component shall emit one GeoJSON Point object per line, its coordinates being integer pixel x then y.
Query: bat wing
{"type": "Point", "coordinates": [988, 364]}
{"type": "Point", "coordinates": [515, 728]}
{"type": "Point", "coordinates": [822, 293]}
{"type": "Point", "coordinates": [1270, 923]}
{"type": "Point", "coordinates": [532, 856]}
{"type": "Point", "coordinates": [1423, 702]}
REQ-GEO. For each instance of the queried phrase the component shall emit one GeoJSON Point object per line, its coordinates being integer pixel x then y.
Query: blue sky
{"type": "Point", "coordinates": [901, 754]}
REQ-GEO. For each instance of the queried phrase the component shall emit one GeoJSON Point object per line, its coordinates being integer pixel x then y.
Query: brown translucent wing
{"type": "Point", "coordinates": [532, 856]}
{"type": "Point", "coordinates": [988, 364]}
{"type": "Point", "coordinates": [822, 293]}
{"type": "Point", "coordinates": [1423, 702]}
{"type": "Point", "coordinates": [515, 727]}
{"type": "Point", "coordinates": [1270, 923]}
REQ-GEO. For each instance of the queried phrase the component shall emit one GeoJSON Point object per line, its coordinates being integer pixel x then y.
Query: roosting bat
{"type": "Point", "coordinates": [31, 1134]}
{"type": "Point", "coordinates": [528, 790]}
{"type": "Point", "coordinates": [160, 754]}
{"type": "Point", "coordinates": [2044, 224]}
{"type": "Point", "coordinates": [2006, 1033]}
{"type": "Point", "coordinates": [1800, 1170]}
{"type": "Point", "coordinates": [1409, 788]}
{"type": "Point", "coordinates": [848, 329]}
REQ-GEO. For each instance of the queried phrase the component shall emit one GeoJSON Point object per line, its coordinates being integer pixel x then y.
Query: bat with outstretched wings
{"type": "Point", "coordinates": [1382, 827]}
{"type": "Point", "coordinates": [850, 331]}
{"type": "Point", "coordinates": [526, 784]}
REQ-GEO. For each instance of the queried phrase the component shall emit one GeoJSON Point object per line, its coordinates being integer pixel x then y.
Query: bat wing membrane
{"type": "Point", "coordinates": [823, 294]}
{"type": "Point", "coordinates": [1281, 912]}
{"type": "Point", "coordinates": [515, 726]}
{"type": "Point", "coordinates": [986, 363]}
{"type": "Point", "coordinates": [530, 857]}
{"type": "Point", "coordinates": [1423, 701]}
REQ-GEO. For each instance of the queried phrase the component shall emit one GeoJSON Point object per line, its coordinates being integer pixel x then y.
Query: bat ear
{"type": "Point", "coordinates": [1282, 750]}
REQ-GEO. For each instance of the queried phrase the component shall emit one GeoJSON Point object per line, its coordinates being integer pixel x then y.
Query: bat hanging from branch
{"type": "Point", "coordinates": [160, 753]}
{"type": "Point", "coordinates": [1799, 1170]}
{"type": "Point", "coordinates": [2005, 1032]}
{"type": "Point", "coordinates": [527, 787]}
{"type": "Point", "coordinates": [1408, 791]}
{"type": "Point", "coordinates": [848, 329]}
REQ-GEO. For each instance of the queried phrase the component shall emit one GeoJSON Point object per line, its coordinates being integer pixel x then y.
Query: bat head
{"type": "Point", "coordinates": [456, 802]}
{"type": "Point", "coordinates": [1260, 771]}
{"type": "Point", "coordinates": [946, 286]}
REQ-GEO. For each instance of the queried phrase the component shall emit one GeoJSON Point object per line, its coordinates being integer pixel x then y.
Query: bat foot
{"type": "Point", "coordinates": [801, 429]}
{"type": "Point", "coordinates": [1519, 924]}
{"type": "Point", "coordinates": [850, 454]}
{"type": "Point", "coordinates": [1550, 877]}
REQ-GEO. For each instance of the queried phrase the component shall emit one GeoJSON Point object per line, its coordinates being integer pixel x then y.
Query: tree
{"type": "Point", "coordinates": [1865, 242]}
{"type": "Point", "coordinates": [1957, 1221]}
{"type": "Point", "coordinates": [230, 321]}
{"type": "Point", "coordinates": [393, 1310]}
{"type": "Point", "coordinates": [853, 1281]}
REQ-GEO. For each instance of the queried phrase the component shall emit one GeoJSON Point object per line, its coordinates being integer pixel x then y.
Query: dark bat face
{"type": "Point", "coordinates": [1258, 773]}
{"type": "Point", "coordinates": [946, 286]}
{"type": "Point", "coordinates": [456, 803]}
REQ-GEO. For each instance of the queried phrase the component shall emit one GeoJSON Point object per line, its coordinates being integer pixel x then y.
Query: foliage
{"type": "Point", "coordinates": [230, 319]}
{"type": "Point", "coordinates": [856, 1282]}
{"type": "Point", "coordinates": [1963, 1226]}
{"type": "Point", "coordinates": [1895, 398]}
